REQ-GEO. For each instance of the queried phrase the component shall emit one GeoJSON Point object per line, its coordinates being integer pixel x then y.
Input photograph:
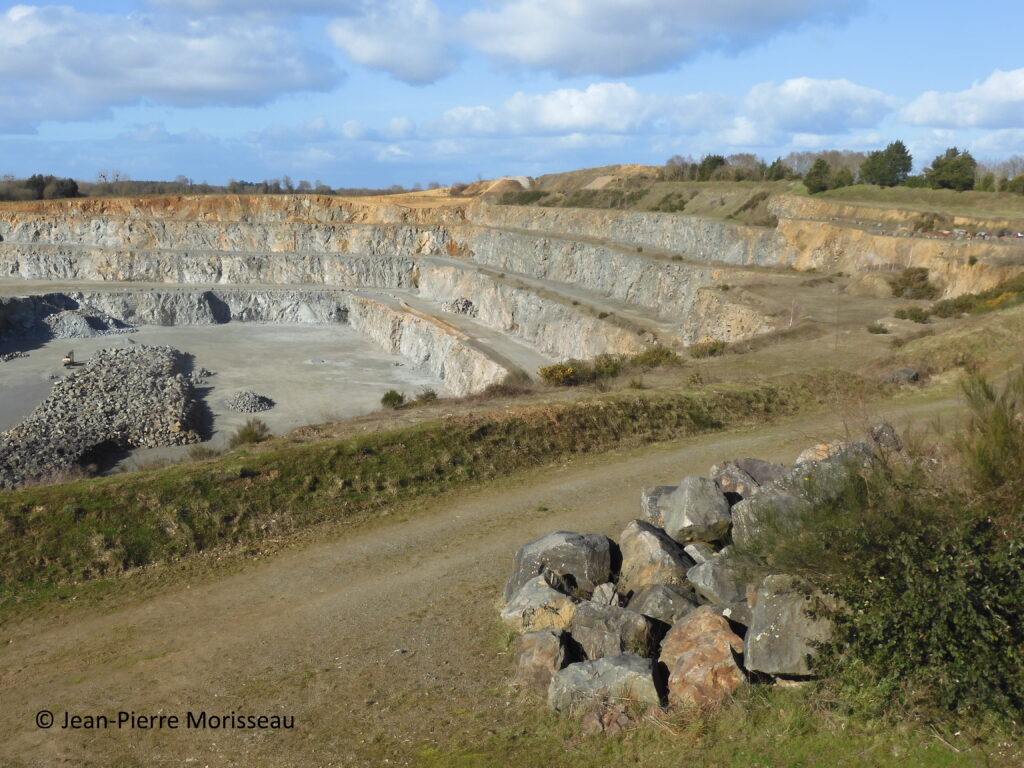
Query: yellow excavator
{"type": "Point", "coordinates": [68, 361]}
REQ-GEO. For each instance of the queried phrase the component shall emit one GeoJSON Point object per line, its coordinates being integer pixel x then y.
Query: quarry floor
{"type": "Point", "coordinates": [380, 638]}
{"type": "Point", "coordinates": [313, 373]}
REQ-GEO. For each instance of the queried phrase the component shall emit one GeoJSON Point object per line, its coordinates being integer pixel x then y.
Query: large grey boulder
{"type": "Point", "coordinates": [538, 606]}
{"type": "Point", "coordinates": [695, 511]}
{"type": "Point", "coordinates": [580, 560]}
{"type": "Point", "coordinates": [649, 556]}
{"type": "Point", "coordinates": [723, 579]}
{"type": "Point", "coordinates": [781, 634]}
{"type": "Point", "coordinates": [623, 676]}
{"type": "Point", "coordinates": [734, 482]}
{"type": "Point", "coordinates": [540, 655]}
{"type": "Point", "coordinates": [649, 498]}
{"type": "Point", "coordinates": [606, 630]}
{"type": "Point", "coordinates": [607, 594]}
{"type": "Point", "coordinates": [663, 602]}
{"type": "Point", "coordinates": [700, 551]}
{"type": "Point", "coordinates": [763, 472]}
{"type": "Point", "coordinates": [770, 510]}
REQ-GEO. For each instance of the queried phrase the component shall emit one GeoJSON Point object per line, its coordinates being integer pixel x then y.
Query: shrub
{"type": "Point", "coordinates": [655, 356]}
{"type": "Point", "coordinates": [709, 348]}
{"type": "Point", "coordinates": [637, 382]}
{"type": "Point", "coordinates": [392, 399]}
{"type": "Point", "coordinates": [602, 315]}
{"type": "Point", "coordinates": [916, 314]}
{"type": "Point", "coordinates": [571, 373]}
{"type": "Point", "coordinates": [607, 366]}
{"type": "Point", "coordinates": [877, 328]}
{"type": "Point", "coordinates": [426, 396]}
{"type": "Point", "coordinates": [912, 283]}
{"type": "Point", "coordinates": [253, 431]}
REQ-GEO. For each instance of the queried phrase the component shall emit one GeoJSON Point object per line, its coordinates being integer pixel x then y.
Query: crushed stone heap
{"type": "Point", "coordinates": [248, 401]}
{"type": "Point", "coordinates": [135, 397]}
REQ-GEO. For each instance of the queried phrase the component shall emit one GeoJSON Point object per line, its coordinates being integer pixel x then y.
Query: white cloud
{"type": "Point", "coordinates": [600, 108]}
{"type": "Point", "coordinates": [59, 64]}
{"type": "Point", "coordinates": [806, 105]}
{"type": "Point", "coordinates": [355, 130]}
{"type": "Point", "coordinates": [401, 127]}
{"type": "Point", "coordinates": [248, 6]}
{"type": "Point", "coordinates": [1004, 142]}
{"type": "Point", "coordinates": [406, 38]}
{"type": "Point", "coordinates": [628, 37]}
{"type": "Point", "coordinates": [997, 102]}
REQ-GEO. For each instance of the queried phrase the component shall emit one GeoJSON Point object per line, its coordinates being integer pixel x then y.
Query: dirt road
{"type": "Point", "coordinates": [376, 643]}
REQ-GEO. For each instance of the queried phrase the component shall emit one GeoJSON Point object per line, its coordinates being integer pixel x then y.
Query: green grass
{"type": "Point", "coordinates": [99, 528]}
{"type": "Point", "coordinates": [1001, 204]}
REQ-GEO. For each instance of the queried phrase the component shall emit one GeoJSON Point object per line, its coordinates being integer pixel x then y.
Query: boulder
{"type": "Point", "coordinates": [581, 560]}
{"type": "Point", "coordinates": [771, 509]}
{"type": "Point", "coordinates": [700, 652]}
{"type": "Point", "coordinates": [649, 498]}
{"type": "Point", "coordinates": [733, 481]}
{"type": "Point", "coordinates": [607, 594]}
{"type": "Point", "coordinates": [820, 452]}
{"type": "Point", "coordinates": [736, 613]}
{"type": "Point", "coordinates": [700, 551]}
{"type": "Point", "coordinates": [695, 511]}
{"type": "Point", "coordinates": [537, 606]}
{"type": "Point", "coordinates": [723, 579]}
{"type": "Point", "coordinates": [781, 633]}
{"type": "Point", "coordinates": [649, 556]}
{"type": "Point", "coordinates": [763, 472]}
{"type": "Point", "coordinates": [606, 630]}
{"type": "Point", "coordinates": [540, 655]}
{"type": "Point", "coordinates": [623, 676]}
{"type": "Point", "coordinates": [665, 603]}
{"type": "Point", "coordinates": [885, 436]}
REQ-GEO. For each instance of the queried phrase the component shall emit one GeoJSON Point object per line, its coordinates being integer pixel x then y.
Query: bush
{"type": "Point", "coordinates": [426, 396]}
{"type": "Point", "coordinates": [912, 283]}
{"type": "Point", "coordinates": [392, 399]}
{"type": "Point", "coordinates": [253, 431]}
{"type": "Point", "coordinates": [709, 348]}
{"type": "Point", "coordinates": [655, 356]}
{"type": "Point", "coordinates": [571, 373]}
{"type": "Point", "coordinates": [607, 366]}
{"type": "Point", "coordinates": [917, 314]}
{"type": "Point", "coordinates": [877, 328]}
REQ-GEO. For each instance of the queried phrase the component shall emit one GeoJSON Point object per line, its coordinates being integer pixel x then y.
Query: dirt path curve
{"type": "Point", "coordinates": [376, 642]}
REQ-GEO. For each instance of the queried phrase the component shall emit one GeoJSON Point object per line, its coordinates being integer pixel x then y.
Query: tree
{"type": "Point", "coordinates": [842, 178]}
{"type": "Point", "coordinates": [779, 171]}
{"type": "Point", "coordinates": [708, 165]}
{"type": "Point", "coordinates": [817, 179]}
{"type": "Point", "coordinates": [888, 167]}
{"type": "Point", "coordinates": [952, 170]}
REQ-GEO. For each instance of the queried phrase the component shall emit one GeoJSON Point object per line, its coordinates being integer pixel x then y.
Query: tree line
{"type": "Point", "coordinates": [890, 167]}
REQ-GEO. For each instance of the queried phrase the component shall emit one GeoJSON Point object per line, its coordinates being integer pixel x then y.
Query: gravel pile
{"type": "Point", "coordinates": [248, 401]}
{"type": "Point", "coordinates": [6, 356]}
{"type": "Point", "coordinates": [133, 397]}
{"type": "Point", "coordinates": [460, 306]}
{"type": "Point", "coordinates": [76, 324]}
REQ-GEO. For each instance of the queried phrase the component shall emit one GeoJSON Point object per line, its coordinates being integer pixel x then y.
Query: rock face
{"type": "Point", "coordinates": [624, 676]}
{"type": "Point", "coordinates": [583, 560]}
{"type": "Point", "coordinates": [132, 397]}
{"type": "Point", "coordinates": [695, 511]}
{"type": "Point", "coordinates": [536, 606]}
{"type": "Point", "coordinates": [649, 556]}
{"type": "Point", "coordinates": [540, 655]}
{"type": "Point", "coordinates": [662, 602]}
{"type": "Point", "coordinates": [700, 652]}
{"type": "Point", "coordinates": [781, 633]}
{"type": "Point", "coordinates": [605, 630]}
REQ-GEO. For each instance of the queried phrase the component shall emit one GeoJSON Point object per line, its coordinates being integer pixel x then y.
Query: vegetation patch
{"type": "Point", "coordinates": [913, 283]}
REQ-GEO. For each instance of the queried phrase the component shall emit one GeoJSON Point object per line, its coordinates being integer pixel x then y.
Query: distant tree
{"type": "Point", "coordinates": [888, 167]}
{"type": "Point", "coordinates": [1016, 185]}
{"type": "Point", "coordinates": [708, 165]}
{"type": "Point", "coordinates": [779, 171]}
{"type": "Point", "coordinates": [817, 179]}
{"type": "Point", "coordinates": [986, 182]}
{"type": "Point", "coordinates": [305, 186]}
{"type": "Point", "coordinates": [59, 188]}
{"type": "Point", "coordinates": [434, 185]}
{"type": "Point", "coordinates": [36, 183]}
{"type": "Point", "coordinates": [842, 178]}
{"type": "Point", "coordinates": [952, 170]}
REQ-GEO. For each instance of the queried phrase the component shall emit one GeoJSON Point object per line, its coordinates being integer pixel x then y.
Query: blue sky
{"type": "Point", "coordinates": [379, 92]}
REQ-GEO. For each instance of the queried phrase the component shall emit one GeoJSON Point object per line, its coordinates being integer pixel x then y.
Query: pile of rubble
{"type": "Point", "coordinates": [678, 612]}
{"type": "Point", "coordinates": [132, 397]}
{"type": "Point", "coordinates": [248, 401]}
{"type": "Point", "coordinates": [8, 356]}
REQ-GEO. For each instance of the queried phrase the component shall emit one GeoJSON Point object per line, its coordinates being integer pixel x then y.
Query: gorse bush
{"type": "Point", "coordinates": [709, 348]}
{"type": "Point", "coordinates": [913, 283]}
{"type": "Point", "coordinates": [253, 431]}
{"type": "Point", "coordinates": [392, 399]}
{"type": "Point", "coordinates": [572, 373]}
{"type": "Point", "coordinates": [652, 357]}
{"type": "Point", "coordinates": [916, 314]}
{"type": "Point", "coordinates": [927, 560]}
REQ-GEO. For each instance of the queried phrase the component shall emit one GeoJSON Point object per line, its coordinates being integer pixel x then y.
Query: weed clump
{"type": "Point", "coordinates": [709, 348]}
{"type": "Point", "coordinates": [916, 314]}
{"type": "Point", "coordinates": [392, 399]}
{"type": "Point", "coordinates": [253, 431]}
{"type": "Point", "coordinates": [877, 328]}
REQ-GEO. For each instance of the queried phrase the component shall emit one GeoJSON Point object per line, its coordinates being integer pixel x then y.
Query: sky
{"type": "Point", "coordinates": [372, 93]}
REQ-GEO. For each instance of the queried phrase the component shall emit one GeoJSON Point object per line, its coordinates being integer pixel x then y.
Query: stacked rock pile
{"type": "Point", "coordinates": [678, 612]}
{"type": "Point", "coordinates": [134, 397]}
{"type": "Point", "coordinates": [248, 401]}
{"type": "Point", "coordinates": [7, 356]}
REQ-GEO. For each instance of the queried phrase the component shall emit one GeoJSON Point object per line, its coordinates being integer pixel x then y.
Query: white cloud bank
{"type": "Point", "coordinates": [997, 102]}
{"type": "Point", "coordinates": [807, 105]}
{"type": "Point", "coordinates": [59, 64]}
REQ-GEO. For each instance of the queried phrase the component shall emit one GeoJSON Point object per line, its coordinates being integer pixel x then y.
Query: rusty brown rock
{"type": "Point", "coordinates": [539, 656]}
{"type": "Point", "coordinates": [700, 654]}
{"type": "Point", "coordinates": [649, 556]}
